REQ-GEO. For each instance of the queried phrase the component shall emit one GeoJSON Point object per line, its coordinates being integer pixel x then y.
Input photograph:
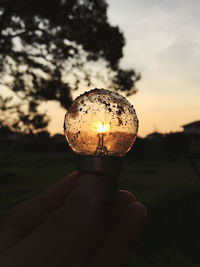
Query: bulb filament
{"type": "Point", "coordinates": [101, 150]}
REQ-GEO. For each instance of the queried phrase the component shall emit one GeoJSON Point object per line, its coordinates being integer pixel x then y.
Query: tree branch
{"type": "Point", "coordinates": [15, 35]}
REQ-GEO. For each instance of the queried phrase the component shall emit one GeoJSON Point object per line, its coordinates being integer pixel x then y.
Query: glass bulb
{"type": "Point", "coordinates": [101, 123]}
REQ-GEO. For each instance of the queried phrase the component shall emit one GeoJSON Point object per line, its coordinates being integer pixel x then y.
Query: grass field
{"type": "Point", "coordinates": [169, 190]}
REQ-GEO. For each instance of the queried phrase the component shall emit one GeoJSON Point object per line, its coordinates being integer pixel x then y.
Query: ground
{"type": "Point", "coordinates": [168, 189]}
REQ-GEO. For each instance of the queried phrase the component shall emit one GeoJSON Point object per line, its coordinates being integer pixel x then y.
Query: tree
{"type": "Point", "coordinates": [13, 118]}
{"type": "Point", "coordinates": [44, 49]}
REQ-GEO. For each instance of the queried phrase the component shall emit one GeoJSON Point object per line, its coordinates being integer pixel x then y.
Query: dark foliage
{"type": "Point", "coordinates": [13, 118]}
{"type": "Point", "coordinates": [177, 144]}
{"type": "Point", "coordinates": [44, 48]}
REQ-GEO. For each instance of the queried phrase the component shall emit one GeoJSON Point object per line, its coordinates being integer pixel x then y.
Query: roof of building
{"type": "Point", "coordinates": [192, 124]}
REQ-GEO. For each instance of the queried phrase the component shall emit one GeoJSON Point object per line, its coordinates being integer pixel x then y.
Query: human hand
{"type": "Point", "coordinates": [69, 225]}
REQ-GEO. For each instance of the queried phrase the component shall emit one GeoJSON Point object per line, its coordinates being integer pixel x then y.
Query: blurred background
{"type": "Point", "coordinates": [149, 51]}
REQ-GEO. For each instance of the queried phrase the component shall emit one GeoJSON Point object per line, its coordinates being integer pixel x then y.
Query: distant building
{"type": "Point", "coordinates": [192, 128]}
{"type": "Point", "coordinates": [154, 136]}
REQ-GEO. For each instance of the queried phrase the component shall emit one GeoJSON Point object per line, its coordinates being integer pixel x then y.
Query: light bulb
{"type": "Point", "coordinates": [101, 122]}
{"type": "Point", "coordinates": [101, 127]}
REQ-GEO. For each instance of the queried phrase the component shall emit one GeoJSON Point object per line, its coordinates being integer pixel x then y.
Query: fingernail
{"type": "Point", "coordinates": [88, 187]}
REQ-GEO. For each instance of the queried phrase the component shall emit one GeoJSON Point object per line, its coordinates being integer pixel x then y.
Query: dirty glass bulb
{"type": "Point", "coordinates": [101, 123]}
{"type": "Point", "coordinates": [101, 127]}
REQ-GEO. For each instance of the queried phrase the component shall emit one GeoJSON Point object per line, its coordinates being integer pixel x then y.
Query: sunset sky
{"type": "Point", "coordinates": [163, 43]}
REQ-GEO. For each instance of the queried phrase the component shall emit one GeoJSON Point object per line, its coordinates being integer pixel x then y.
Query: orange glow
{"type": "Point", "coordinates": [101, 127]}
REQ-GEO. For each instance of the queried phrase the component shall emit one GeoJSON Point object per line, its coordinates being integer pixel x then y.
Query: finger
{"type": "Point", "coordinates": [118, 244]}
{"type": "Point", "coordinates": [65, 231]}
{"type": "Point", "coordinates": [109, 218]}
{"type": "Point", "coordinates": [25, 217]}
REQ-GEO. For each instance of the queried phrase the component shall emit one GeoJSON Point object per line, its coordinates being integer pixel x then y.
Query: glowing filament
{"type": "Point", "coordinates": [102, 127]}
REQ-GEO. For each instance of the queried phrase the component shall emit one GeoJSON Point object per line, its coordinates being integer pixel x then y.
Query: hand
{"type": "Point", "coordinates": [69, 225]}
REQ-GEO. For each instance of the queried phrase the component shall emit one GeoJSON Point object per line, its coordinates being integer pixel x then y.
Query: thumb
{"type": "Point", "coordinates": [64, 233]}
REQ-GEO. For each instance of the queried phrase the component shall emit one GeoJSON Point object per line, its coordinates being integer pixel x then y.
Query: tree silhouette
{"type": "Point", "coordinates": [13, 118]}
{"type": "Point", "coordinates": [45, 47]}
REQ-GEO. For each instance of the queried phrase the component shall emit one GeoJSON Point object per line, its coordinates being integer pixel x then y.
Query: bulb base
{"type": "Point", "coordinates": [107, 168]}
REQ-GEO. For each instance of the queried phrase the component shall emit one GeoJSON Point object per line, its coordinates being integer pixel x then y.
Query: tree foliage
{"type": "Point", "coordinates": [14, 118]}
{"type": "Point", "coordinates": [45, 47]}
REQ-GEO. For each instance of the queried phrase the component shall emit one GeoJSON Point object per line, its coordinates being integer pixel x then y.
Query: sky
{"type": "Point", "coordinates": [163, 44]}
